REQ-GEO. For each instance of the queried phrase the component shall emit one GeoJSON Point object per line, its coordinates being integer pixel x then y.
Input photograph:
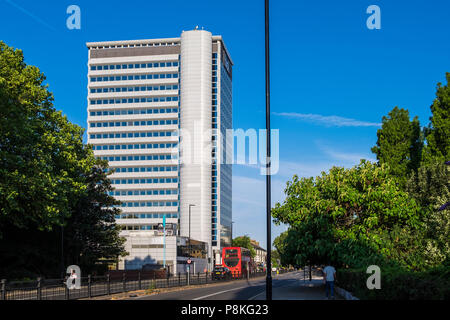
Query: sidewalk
{"type": "Point", "coordinates": [308, 290]}
{"type": "Point", "coordinates": [299, 289]}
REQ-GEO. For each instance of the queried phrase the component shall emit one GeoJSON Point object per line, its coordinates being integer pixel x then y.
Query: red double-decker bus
{"type": "Point", "coordinates": [238, 260]}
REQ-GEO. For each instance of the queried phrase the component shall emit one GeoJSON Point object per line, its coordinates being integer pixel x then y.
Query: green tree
{"type": "Point", "coordinates": [399, 143]}
{"type": "Point", "coordinates": [48, 179]}
{"type": "Point", "coordinates": [244, 242]}
{"type": "Point", "coordinates": [280, 244]}
{"type": "Point", "coordinates": [438, 132]}
{"type": "Point", "coordinates": [349, 216]}
{"type": "Point", "coordinates": [41, 152]}
{"type": "Point", "coordinates": [90, 236]}
{"type": "Point", "coordinates": [431, 188]}
{"type": "Point", "coordinates": [276, 259]}
{"type": "Point", "coordinates": [91, 232]}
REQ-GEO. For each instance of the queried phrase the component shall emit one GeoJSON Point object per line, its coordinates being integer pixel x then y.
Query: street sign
{"type": "Point", "coordinates": [189, 261]}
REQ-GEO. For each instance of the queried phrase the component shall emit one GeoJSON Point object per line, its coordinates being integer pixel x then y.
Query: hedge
{"type": "Point", "coordinates": [398, 284]}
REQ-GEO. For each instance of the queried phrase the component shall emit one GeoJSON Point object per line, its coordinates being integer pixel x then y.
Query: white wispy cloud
{"type": "Point", "coordinates": [346, 159]}
{"type": "Point", "coordinates": [28, 13]}
{"type": "Point", "coordinates": [328, 121]}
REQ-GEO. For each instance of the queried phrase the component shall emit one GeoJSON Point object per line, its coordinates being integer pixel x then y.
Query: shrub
{"type": "Point", "coordinates": [398, 284]}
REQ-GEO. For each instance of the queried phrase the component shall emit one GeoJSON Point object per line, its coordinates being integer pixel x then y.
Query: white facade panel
{"type": "Point", "coordinates": [195, 119]}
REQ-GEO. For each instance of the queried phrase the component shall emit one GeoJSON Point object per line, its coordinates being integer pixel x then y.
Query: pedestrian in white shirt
{"type": "Point", "coordinates": [329, 276]}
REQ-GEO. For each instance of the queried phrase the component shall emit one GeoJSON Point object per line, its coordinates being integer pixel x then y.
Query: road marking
{"type": "Point", "coordinates": [252, 298]}
{"type": "Point", "coordinates": [287, 285]}
{"type": "Point", "coordinates": [220, 292]}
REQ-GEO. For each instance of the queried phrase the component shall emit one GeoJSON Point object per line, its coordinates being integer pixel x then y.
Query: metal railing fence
{"type": "Point", "coordinates": [94, 286]}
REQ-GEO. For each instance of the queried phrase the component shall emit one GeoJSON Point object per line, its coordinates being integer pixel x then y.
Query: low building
{"type": "Point", "coordinates": [149, 250]}
{"type": "Point", "coordinates": [261, 254]}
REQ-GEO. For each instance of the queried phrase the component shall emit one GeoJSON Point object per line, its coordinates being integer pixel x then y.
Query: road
{"type": "Point", "coordinates": [288, 286]}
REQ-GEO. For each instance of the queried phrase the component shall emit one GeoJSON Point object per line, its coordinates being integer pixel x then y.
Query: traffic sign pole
{"type": "Point", "coordinates": [189, 271]}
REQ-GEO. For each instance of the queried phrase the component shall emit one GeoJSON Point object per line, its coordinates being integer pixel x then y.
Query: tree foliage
{"type": "Point", "coordinates": [438, 131]}
{"type": "Point", "coordinates": [431, 188]}
{"type": "Point", "coordinates": [91, 231]}
{"type": "Point", "coordinates": [41, 152]}
{"type": "Point", "coordinates": [399, 143]}
{"type": "Point", "coordinates": [244, 242]}
{"type": "Point", "coordinates": [350, 216]}
{"type": "Point", "coordinates": [49, 180]}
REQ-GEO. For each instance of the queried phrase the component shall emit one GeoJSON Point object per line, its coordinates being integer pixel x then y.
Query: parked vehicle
{"type": "Point", "coordinates": [220, 273]}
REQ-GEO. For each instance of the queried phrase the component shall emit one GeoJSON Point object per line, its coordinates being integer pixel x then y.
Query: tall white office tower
{"type": "Point", "coordinates": [144, 97]}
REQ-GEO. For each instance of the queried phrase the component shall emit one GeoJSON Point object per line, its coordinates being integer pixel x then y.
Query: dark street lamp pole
{"type": "Point", "coordinates": [191, 205]}
{"type": "Point", "coordinates": [232, 222]}
{"type": "Point", "coordinates": [268, 162]}
{"type": "Point", "coordinates": [62, 251]}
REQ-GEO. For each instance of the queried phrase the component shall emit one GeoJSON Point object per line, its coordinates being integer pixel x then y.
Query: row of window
{"type": "Point", "coordinates": [146, 216]}
{"type": "Point", "coordinates": [143, 192]}
{"type": "Point", "coordinates": [135, 89]}
{"type": "Point", "coordinates": [136, 146]}
{"type": "Point", "coordinates": [144, 181]}
{"type": "Point", "coordinates": [135, 100]}
{"type": "Point", "coordinates": [134, 66]}
{"type": "Point", "coordinates": [146, 169]}
{"type": "Point", "coordinates": [136, 77]}
{"type": "Point", "coordinates": [141, 158]}
{"type": "Point", "coordinates": [132, 123]}
{"type": "Point", "coordinates": [134, 228]}
{"type": "Point", "coordinates": [148, 204]}
{"type": "Point", "coordinates": [149, 134]}
{"type": "Point", "coordinates": [132, 111]}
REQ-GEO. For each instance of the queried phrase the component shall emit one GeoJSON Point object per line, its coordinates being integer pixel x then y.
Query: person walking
{"type": "Point", "coordinates": [329, 276]}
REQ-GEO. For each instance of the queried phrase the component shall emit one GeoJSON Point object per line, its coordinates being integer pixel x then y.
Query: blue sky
{"type": "Point", "coordinates": [332, 78]}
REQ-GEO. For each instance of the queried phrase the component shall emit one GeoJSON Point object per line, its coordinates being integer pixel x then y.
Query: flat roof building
{"type": "Point", "coordinates": [157, 110]}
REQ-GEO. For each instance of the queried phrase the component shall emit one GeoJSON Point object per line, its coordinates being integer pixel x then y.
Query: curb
{"type": "Point", "coordinates": [345, 294]}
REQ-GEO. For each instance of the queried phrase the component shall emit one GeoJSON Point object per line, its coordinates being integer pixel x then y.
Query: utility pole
{"type": "Point", "coordinates": [268, 161]}
{"type": "Point", "coordinates": [190, 253]}
{"type": "Point", "coordinates": [232, 222]}
{"type": "Point", "coordinates": [63, 272]}
{"type": "Point", "coordinates": [191, 205]}
{"type": "Point", "coordinates": [164, 240]}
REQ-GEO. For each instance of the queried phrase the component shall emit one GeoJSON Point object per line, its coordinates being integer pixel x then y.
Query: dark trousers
{"type": "Point", "coordinates": [329, 287]}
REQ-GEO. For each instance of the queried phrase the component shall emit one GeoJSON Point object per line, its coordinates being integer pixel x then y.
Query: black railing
{"type": "Point", "coordinates": [94, 286]}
